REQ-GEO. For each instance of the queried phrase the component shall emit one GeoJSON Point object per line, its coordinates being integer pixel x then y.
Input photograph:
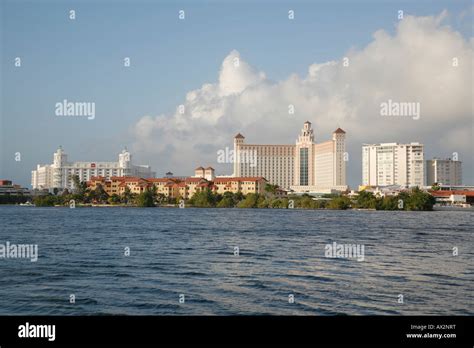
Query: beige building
{"type": "Point", "coordinates": [304, 167]}
{"type": "Point", "coordinates": [245, 185]}
{"type": "Point", "coordinates": [207, 173]}
{"type": "Point", "coordinates": [222, 185]}
{"type": "Point", "coordinates": [116, 185]}
{"type": "Point", "coordinates": [179, 188]}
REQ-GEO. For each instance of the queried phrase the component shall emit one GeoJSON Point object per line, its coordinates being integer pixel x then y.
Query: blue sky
{"type": "Point", "coordinates": [82, 60]}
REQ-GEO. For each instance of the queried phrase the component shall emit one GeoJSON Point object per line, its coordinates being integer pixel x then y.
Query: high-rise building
{"type": "Point", "coordinates": [443, 172]}
{"type": "Point", "coordinates": [393, 164]}
{"type": "Point", "coordinates": [59, 174]}
{"type": "Point", "coordinates": [304, 167]}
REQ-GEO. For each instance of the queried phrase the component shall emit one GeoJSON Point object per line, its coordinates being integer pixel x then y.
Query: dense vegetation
{"type": "Point", "coordinates": [415, 199]}
{"type": "Point", "coordinates": [14, 199]}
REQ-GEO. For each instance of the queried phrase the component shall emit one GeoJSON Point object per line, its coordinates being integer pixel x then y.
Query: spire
{"type": "Point", "coordinates": [306, 136]}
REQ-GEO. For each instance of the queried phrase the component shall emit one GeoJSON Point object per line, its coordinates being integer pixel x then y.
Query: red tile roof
{"type": "Point", "coordinates": [230, 179]}
{"type": "Point", "coordinates": [239, 136]}
{"type": "Point", "coordinates": [97, 178]}
{"type": "Point", "coordinates": [339, 130]}
{"type": "Point", "coordinates": [194, 180]}
{"type": "Point", "coordinates": [158, 179]}
{"type": "Point", "coordinates": [126, 178]}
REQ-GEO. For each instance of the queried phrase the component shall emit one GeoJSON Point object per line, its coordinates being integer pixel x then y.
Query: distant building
{"type": "Point", "coordinates": [393, 164]}
{"type": "Point", "coordinates": [443, 171]}
{"type": "Point", "coordinates": [304, 167]}
{"type": "Point", "coordinates": [8, 188]}
{"type": "Point", "coordinates": [383, 191]}
{"type": "Point", "coordinates": [444, 197]}
{"type": "Point", "coordinates": [454, 187]}
{"type": "Point", "coordinates": [206, 173]}
{"type": "Point", "coordinates": [59, 174]}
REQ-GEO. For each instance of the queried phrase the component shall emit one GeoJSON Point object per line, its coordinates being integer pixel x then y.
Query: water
{"type": "Point", "coordinates": [191, 252]}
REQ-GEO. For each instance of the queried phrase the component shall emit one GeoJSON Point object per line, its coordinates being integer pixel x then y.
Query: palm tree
{"type": "Point", "coordinates": [100, 194]}
{"type": "Point", "coordinates": [154, 193]}
{"type": "Point", "coordinates": [80, 187]}
{"type": "Point", "coordinates": [127, 195]}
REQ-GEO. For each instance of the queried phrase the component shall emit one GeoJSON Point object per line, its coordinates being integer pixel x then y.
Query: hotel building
{"type": "Point", "coordinates": [392, 164]}
{"type": "Point", "coordinates": [304, 167]}
{"type": "Point", "coordinates": [182, 188]}
{"type": "Point", "coordinates": [443, 171]}
{"type": "Point", "coordinates": [59, 173]}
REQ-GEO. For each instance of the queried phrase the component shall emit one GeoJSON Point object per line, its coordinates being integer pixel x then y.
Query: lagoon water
{"type": "Point", "coordinates": [191, 252]}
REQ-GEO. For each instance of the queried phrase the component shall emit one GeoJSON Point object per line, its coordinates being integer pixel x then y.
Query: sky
{"type": "Point", "coordinates": [335, 62]}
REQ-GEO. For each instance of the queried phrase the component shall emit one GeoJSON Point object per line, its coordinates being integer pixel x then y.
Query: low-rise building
{"type": "Point", "coordinates": [8, 188]}
{"type": "Point", "coordinates": [117, 185]}
{"type": "Point", "coordinates": [444, 197]}
{"type": "Point", "coordinates": [245, 185]}
{"type": "Point", "coordinates": [383, 191]}
{"type": "Point", "coordinates": [178, 188]}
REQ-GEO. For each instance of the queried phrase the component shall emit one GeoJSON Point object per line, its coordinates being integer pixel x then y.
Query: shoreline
{"type": "Point", "coordinates": [171, 206]}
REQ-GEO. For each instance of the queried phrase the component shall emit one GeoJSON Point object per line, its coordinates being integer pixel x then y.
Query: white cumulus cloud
{"type": "Point", "coordinates": [413, 65]}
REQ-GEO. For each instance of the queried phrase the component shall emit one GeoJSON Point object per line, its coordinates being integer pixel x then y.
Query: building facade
{"type": "Point", "coordinates": [304, 167]}
{"type": "Point", "coordinates": [206, 173]}
{"type": "Point", "coordinates": [7, 187]}
{"type": "Point", "coordinates": [393, 164]}
{"type": "Point", "coordinates": [443, 171]}
{"type": "Point", "coordinates": [59, 174]}
{"type": "Point", "coordinates": [178, 188]}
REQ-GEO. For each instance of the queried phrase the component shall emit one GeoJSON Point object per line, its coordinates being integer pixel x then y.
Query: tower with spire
{"type": "Point", "coordinates": [306, 166]}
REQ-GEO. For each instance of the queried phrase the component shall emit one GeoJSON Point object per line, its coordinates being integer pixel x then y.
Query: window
{"type": "Point", "coordinates": [304, 166]}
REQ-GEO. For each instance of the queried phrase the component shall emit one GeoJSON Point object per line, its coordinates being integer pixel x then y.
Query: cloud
{"type": "Point", "coordinates": [415, 64]}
